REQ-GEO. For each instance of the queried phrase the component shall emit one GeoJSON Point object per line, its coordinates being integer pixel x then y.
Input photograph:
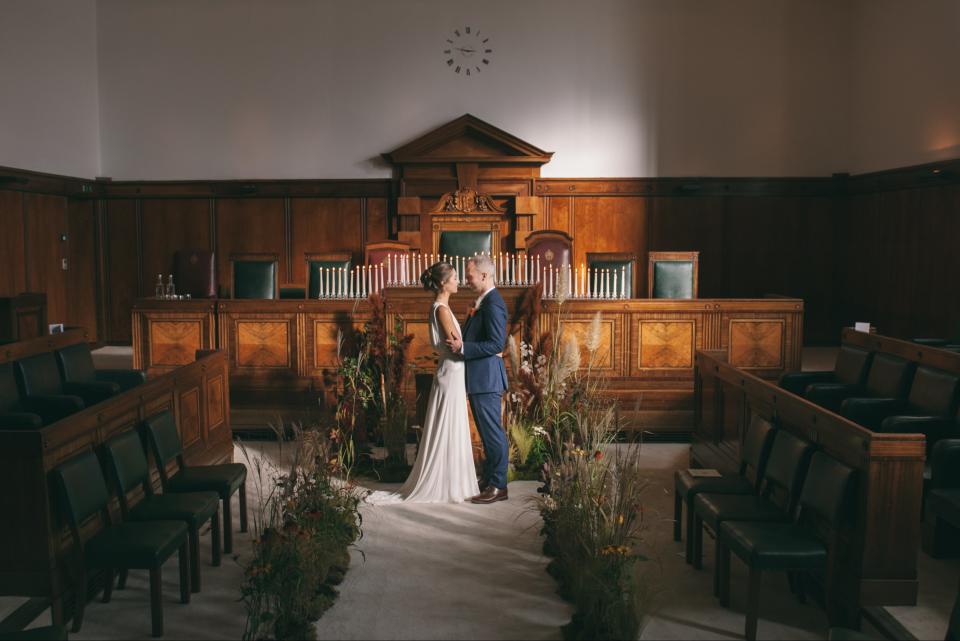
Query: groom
{"type": "Point", "coordinates": [484, 337]}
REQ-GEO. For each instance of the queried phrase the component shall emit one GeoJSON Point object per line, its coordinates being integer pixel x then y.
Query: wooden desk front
{"type": "Point", "coordinates": [285, 351]}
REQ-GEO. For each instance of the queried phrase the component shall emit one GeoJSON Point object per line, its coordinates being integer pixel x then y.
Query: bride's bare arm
{"type": "Point", "coordinates": [447, 323]}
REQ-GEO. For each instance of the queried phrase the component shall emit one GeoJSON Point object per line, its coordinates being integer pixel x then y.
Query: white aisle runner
{"type": "Point", "coordinates": [441, 571]}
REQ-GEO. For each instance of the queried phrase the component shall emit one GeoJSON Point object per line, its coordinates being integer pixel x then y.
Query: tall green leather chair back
{"type": "Point", "coordinates": [673, 274]}
{"type": "Point", "coordinates": [825, 488]}
{"type": "Point", "coordinates": [256, 279]}
{"type": "Point", "coordinates": [314, 268]}
{"type": "Point", "coordinates": [622, 268]}
{"type": "Point", "coordinates": [465, 243]}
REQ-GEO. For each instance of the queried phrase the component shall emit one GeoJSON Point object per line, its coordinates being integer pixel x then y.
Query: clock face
{"type": "Point", "coordinates": [467, 51]}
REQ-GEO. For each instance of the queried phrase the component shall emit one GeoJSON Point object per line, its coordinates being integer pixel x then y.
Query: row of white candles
{"type": "Point", "coordinates": [403, 270]}
{"type": "Point", "coordinates": [572, 282]}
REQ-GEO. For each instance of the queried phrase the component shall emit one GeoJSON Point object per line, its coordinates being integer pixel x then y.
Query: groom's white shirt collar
{"type": "Point", "coordinates": [481, 297]}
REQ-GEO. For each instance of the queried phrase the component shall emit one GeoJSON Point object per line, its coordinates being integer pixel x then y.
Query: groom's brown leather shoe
{"type": "Point", "coordinates": [483, 484]}
{"type": "Point", "coordinates": [490, 495]}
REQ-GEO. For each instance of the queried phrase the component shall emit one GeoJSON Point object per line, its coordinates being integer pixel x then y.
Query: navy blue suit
{"type": "Point", "coordinates": [484, 337]}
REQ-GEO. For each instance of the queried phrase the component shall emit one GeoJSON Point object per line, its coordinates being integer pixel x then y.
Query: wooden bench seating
{"type": "Point", "coordinates": [876, 559]}
{"type": "Point", "coordinates": [35, 545]}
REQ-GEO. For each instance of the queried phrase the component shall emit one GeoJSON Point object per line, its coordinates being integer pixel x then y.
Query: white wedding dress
{"type": "Point", "coordinates": [444, 470]}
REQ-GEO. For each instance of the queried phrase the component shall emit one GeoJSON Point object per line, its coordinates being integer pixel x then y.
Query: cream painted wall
{"type": "Point", "coordinates": [906, 92]}
{"type": "Point", "coordinates": [308, 89]}
{"type": "Point", "coordinates": [49, 118]}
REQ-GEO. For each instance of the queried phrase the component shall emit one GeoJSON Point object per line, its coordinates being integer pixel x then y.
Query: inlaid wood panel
{"type": "Point", "coordinates": [168, 226]}
{"type": "Point", "coordinates": [12, 263]}
{"type": "Point", "coordinates": [190, 416]}
{"type": "Point", "coordinates": [215, 402]}
{"type": "Point", "coordinates": [666, 344]}
{"type": "Point", "coordinates": [174, 342]}
{"type": "Point", "coordinates": [121, 276]}
{"type": "Point", "coordinates": [249, 225]}
{"type": "Point", "coordinates": [46, 223]}
{"type": "Point", "coordinates": [756, 343]}
{"type": "Point", "coordinates": [324, 333]}
{"type": "Point", "coordinates": [607, 354]}
{"type": "Point", "coordinates": [263, 344]}
{"type": "Point", "coordinates": [324, 225]}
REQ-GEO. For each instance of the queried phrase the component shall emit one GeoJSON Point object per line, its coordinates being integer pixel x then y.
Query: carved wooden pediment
{"type": "Point", "coordinates": [468, 139]}
{"type": "Point", "coordinates": [466, 201]}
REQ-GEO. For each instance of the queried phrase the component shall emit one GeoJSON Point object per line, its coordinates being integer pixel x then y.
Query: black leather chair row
{"type": "Point", "coordinates": [151, 530]}
{"type": "Point", "coordinates": [884, 393]}
{"type": "Point", "coordinates": [43, 388]}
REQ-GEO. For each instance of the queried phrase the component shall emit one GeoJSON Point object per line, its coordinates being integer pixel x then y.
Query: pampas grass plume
{"type": "Point", "coordinates": [593, 336]}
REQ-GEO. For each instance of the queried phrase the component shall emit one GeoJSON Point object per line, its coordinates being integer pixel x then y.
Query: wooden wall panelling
{"type": "Point", "coordinates": [249, 225]}
{"type": "Point", "coordinates": [325, 225]}
{"type": "Point", "coordinates": [12, 262]}
{"type": "Point", "coordinates": [610, 224]}
{"type": "Point", "coordinates": [688, 224]}
{"type": "Point", "coordinates": [166, 226]}
{"type": "Point", "coordinates": [784, 245]}
{"type": "Point", "coordinates": [378, 223]}
{"type": "Point", "coordinates": [82, 292]}
{"type": "Point", "coordinates": [559, 214]}
{"type": "Point", "coordinates": [46, 222]}
{"type": "Point", "coordinates": [900, 260]}
{"type": "Point", "coordinates": [122, 267]}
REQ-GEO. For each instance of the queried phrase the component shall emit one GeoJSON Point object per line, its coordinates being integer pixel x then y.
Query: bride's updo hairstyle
{"type": "Point", "coordinates": [434, 276]}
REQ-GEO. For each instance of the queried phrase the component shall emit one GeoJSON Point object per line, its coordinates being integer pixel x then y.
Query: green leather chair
{"type": "Point", "coordinates": [619, 263]}
{"type": "Point", "coordinates": [673, 274]}
{"type": "Point", "coordinates": [795, 546]}
{"type": "Point", "coordinates": [161, 433]}
{"type": "Point", "coordinates": [465, 243]}
{"type": "Point", "coordinates": [146, 546]}
{"type": "Point", "coordinates": [318, 262]}
{"type": "Point", "coordinates": [756, 449]}
{"type": "Point", "coordinates": [782, 480]}
{"type": "Point", "coordinates": [254, 276]}
{"type": "Point", "coordinates": [128, 465]}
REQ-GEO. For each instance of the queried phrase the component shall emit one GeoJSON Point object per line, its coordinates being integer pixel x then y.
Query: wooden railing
{"type": "Point", "coordinates": [877, 562]}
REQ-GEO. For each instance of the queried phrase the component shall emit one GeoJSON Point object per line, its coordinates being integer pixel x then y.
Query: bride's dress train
{"type": "Point", "coordinates": [444, 470]}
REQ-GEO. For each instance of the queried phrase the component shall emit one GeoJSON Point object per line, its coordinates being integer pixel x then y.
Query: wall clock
{"type": "Point", "coordinates": [467, 51]}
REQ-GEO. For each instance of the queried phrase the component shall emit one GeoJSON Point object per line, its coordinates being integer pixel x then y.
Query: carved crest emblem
{"type": "Point", "coordinates": [466, 201]}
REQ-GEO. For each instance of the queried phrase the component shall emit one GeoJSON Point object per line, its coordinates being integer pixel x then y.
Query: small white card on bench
{"type": "Point", "coordinates": [862, 327]}
{"type": "Point", "coordinates": [703, 473]}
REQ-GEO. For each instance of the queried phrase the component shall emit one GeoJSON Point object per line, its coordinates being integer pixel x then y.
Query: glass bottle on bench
{"type": "Point", "coordinates": [158, 289]}
{"type": "Point", "coordinates": [171, 290]}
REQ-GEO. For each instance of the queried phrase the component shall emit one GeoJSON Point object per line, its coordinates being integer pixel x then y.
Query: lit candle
{"type": "Point", "coordinates": [623, 282]}
{"type": "Point", "coordinates": [615, 290]}
{"type": "Point", "coordinates": [538, 266]}
{"type": "Point", "coordinates": [389, 268]}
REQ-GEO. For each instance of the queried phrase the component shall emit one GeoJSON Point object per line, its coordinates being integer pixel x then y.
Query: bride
{"type": "Point", "coordinates": [444, 470]}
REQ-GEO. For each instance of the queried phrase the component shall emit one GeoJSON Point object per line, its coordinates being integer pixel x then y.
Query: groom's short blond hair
{"type": "Point", "coordinates": [484, 265]}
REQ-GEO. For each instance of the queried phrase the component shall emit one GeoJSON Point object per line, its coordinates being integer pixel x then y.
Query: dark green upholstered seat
{"type": "Point", "coordinates": [42, 390]}
{"type": "Point", "coordinates": [128, 464]}
{"type": "Point", "coordinates": [782, 478]}
{"type": "Point", "coordinates": [76, 366]}
{"type": "Point", "coordinates": [161, 432]}
{"type": "Point", "coordinates": [619, 267]}
{"type": "Point", "coordinates": [850, 368]}
{"type": "Point", "coordinates": [45, 633]}
{"type": "Point", "coordinates": [797, 546]}
{"type": "Point", "coordinates": [83, 494]}
{"type": "Point", "coordinates": [254, 279]}
{"type": "Point", "coordinates": [887, 377]}
{"type": "Point", "coordinates": [465, 243]}
{"type": "Point", "coordinates": [13, 414]}
{"type": "Point", "coordinates": [313, 273]}
{"type": "Point", "coordinates": [673, 279]}
{"type": "Point", "coordinates": [756, 448]}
